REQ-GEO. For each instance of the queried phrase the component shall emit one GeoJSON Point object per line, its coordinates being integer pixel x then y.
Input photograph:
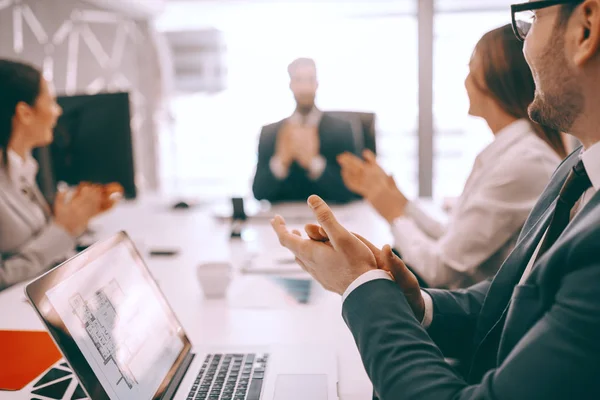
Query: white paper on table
{"type": "Point", "coordinates": [275, 261]}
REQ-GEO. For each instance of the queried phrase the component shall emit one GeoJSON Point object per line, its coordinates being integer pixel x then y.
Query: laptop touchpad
{"type": "Point", "coordinates": [301, 387]}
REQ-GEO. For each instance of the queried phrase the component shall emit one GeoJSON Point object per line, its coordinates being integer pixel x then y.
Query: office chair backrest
{"type": "Point", "coordinates": [365, 121]}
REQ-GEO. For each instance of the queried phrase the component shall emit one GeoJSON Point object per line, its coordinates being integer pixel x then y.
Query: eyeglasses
{"type": "Point", "coordinates": [523, 15]}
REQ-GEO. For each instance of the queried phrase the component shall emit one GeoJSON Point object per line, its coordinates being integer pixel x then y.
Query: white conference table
{"type": "Point", "coordinates": [256, 312]}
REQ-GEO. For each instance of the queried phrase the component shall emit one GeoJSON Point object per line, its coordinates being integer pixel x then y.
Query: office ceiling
{"type": "Point", "coordinates": [192, 14]}
{"type": "Point", "coordinates": [392, 5]}
{"type": "Point", "coordinates": [473, 5]}
{"type": "Point", "coordinates": [133, 8]}
{"type": "Point", "coordinates": [440, 4]}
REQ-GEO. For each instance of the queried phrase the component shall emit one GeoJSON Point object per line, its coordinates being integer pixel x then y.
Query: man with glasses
{"type": "Point", "coordinates": [533, 332]}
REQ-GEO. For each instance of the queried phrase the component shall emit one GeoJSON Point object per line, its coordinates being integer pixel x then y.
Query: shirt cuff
{"type": "Point", "coordinates": [428, 316]}
{"type": "Point", "coordinates": [375, 274]}
{"type": "Point", "coordinates": [410, 210]}
{"type": "Point", "coordinates": [317, 167]}
{"type": "Point", "coordinates": [278, 169]}
{"type": "Point", "coordinates": [368, 276]}
{"type": "Point", "coordinates": [402, 228]}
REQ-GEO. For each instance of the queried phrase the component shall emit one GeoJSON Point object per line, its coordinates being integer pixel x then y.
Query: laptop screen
{"type": "Point", "coordinates": [112, 322]}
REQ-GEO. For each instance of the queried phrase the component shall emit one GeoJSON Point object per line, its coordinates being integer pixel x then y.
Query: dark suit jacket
{"type": "Point", "coordinates": [336, 137]}
{"type": "Point", "coordinates": [537, 340]}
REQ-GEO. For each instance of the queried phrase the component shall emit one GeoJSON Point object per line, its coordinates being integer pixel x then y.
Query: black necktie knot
{"type": "Point", "coordinates": [574, 187]}
{"type": "Point", "coordinates": [576, 184]}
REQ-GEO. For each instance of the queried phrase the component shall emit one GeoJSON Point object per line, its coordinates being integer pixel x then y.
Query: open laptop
{"type": "Point", "coordinates": [123, 341]}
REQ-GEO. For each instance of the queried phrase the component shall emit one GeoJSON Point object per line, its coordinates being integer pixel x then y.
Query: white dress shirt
{"type": "Point", "coordinates": [505, 183]}
{"type": "Point", "coordinates": [318, 164]}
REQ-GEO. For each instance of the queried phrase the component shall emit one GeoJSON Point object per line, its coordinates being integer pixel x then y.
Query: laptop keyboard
{"type": "Point", "coordinates": [230, 377]}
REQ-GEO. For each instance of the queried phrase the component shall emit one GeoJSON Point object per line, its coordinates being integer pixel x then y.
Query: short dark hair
{"type": "Point", "coordinates": [19, 82]}
{"type": "Point", "coordinates": [301, 62]}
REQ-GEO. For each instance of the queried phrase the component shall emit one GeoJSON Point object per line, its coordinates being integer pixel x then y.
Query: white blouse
{"type": "Point", "coordinates": [506, 180]}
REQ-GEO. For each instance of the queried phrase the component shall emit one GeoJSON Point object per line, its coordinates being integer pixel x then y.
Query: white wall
{"type": "Point", "coordinates": [193, 14]}
{"type": "Point", "coordinates": [141, 9]}
{"type": "Point", "coordinates": [82, 48]}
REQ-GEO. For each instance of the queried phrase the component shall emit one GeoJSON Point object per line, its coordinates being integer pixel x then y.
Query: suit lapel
{"type": "Point", "coordinates": [11, 196]}
{"type": "Point", "coordinates": [510, 273]}
{"type": "Point", "coordinates": [518, 326]}
{"type": "Point", "coordinates": [577, 223]}
{"type": "Point", "coordinates": [323, 127]}
{"type": "Point", "coordinates": [582, 215]}
{"type": "Point", "coordinates": [508, 276]}
{"type": "Point", "coordinates": [41, 201]}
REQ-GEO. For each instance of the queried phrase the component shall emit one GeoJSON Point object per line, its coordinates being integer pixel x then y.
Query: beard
{"type": "Point", "coordinates": [305, 104]}
{"type": "Point", "coordinates": [305, 109]}
{"type": "Point", "coordinates": [558, 98]}
{"type": "Point", "coordinates": [558, 112]}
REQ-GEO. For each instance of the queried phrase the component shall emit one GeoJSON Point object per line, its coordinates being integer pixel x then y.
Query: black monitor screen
{"type": "Point", "coordinates": [92, 143]}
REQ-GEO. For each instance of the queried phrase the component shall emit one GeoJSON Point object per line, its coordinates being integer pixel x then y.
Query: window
{"type": "Point", "coordinates": [367, 59]}
{"type": "Point", "coordinates": [364, 64]}
{"type": "Point", "coordinates": [458, 137]}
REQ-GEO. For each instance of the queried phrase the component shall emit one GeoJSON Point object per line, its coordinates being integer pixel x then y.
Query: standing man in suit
{"type": "Point", "coordinates": [297, 156]}
{"type": "Point", "coordinates": [533, 332]}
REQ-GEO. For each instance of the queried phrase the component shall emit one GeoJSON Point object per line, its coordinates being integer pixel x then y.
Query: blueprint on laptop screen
{"type": "Point", "coordinates": [119, 325]}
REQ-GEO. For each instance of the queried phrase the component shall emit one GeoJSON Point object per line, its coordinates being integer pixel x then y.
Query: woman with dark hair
{"type": "Point", "coordinates": [505, 182]}
{"type": "Point", "coordinates": [34, 236]}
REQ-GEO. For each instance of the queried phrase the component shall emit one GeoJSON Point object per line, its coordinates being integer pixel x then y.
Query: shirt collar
{"type": "Point", "coordinates": [22, 169]}
{"type": "Point", "coordinates": [591, 162]}
{"type": "Point", "coordinates": [312, 119]}
{"type": "Point", "coordinates": [504, 139]}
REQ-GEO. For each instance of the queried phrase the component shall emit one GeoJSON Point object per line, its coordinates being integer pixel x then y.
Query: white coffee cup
{"type": "Point", "coordinates": [214, 279]}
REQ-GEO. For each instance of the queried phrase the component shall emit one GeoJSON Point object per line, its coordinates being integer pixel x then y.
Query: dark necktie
{"type": "Point", "coordinates": [574, 187]}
